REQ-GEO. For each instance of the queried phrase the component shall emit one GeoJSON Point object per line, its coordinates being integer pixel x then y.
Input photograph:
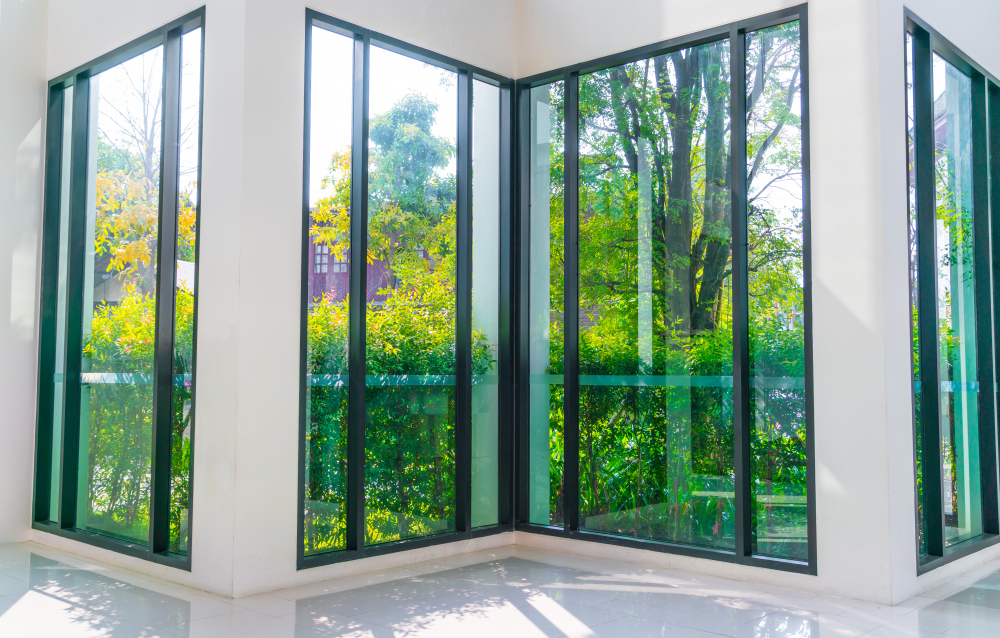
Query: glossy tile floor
{"type": "Point", "coordinates": [512, 592]}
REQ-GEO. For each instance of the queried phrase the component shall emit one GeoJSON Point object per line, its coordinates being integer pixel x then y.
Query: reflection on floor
{"type": "Point", "coordinates": [512, 592]}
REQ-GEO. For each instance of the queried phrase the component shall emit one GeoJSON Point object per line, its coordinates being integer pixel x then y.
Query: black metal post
{"type": "Point", "coordinates": [358, 286]}
{"type": "Point", "coordinates": [742, 421]}
{"type": "Point", "coordinates": [571, 304]}
{"type": "Point", "coordinates": [463, 309]}
{"type": "Point", "coordinates": [923, 142]}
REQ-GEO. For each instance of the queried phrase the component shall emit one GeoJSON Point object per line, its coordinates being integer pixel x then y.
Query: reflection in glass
{"type": "Point", "coordinates": [327, 322]}
{"type": "Point", "coordinates": [184, 293]}
{"type": "Point", "coordinates": [410, 315]}
{"type": "Point", "coordinates": [956, 303]}
{"type": "Point", "coordinates": [485, 303]}
{"type": "Point", "coordinates": [120, 298]}
{"type": "Point", "coordinates": [776, 286]}
{"type": "Point", "coordinates": [656, 398]}
{"type": "Point", "coordinates": [545, 306]}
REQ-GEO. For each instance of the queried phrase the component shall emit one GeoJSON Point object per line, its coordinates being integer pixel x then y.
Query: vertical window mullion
{"type": "Point", "coordinates": [463, 309]}
{"type": "Point", "coordinates": [923, 111]}
{"type": "Point", "coordinates": [741, 329]}
{"type": "Point", "coordinates": [571, 466]}
{"type": "Point", "coordinates": [75, 285]}
{"type": "Point", "coordinates": [48, 303]}
{"type": "Point", "coordinates": [993, 116]}
{"type": "Point", "coordinates": [981, 224]}
{"type": "Point", "coordinates": [358, 286]}
{"type": "Point", "coordinates": [807, 293]}
{"type": "Point", "coordinates": [522, 341]}
{"type": "Point", "coordinates": [308, 266]}
{"type": "Point", "coordinates": [166, 273]}
{"type": "Point", "coordinates": [508, 305]}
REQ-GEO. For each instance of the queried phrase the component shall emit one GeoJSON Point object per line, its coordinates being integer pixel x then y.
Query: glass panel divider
{"type": "Point", "coordinates": [571, 387]}
{"type": "Point", "coordinates": [357, 306]}
{"type": "Point", "coordinates": [166, 280]}
{"type": "Point", "coordinates": [463, 308]}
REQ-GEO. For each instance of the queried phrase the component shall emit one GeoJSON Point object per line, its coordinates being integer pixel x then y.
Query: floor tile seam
{"type": "Point", "coordinates": [665, 623]}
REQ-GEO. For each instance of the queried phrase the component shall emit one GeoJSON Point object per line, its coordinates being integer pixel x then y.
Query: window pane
{"type": "Point", "coordinates": [914, 295]}
{"type": "Point", "coordinates": [330, 111]}
{"type": "Point", "coordinates": [120, 299]}
{"type": "Point", "coordinates": [184, 294]}
{"type": "Point", "coordinates": [656, 398]}
{"type": "Point", "coordinates": [62, 268]}
{"type": "Point", "coordinates": [485, 303]}
{"type": "Point", "coordinates": [410, 315]}
{"type": "Point", "coordinates": [775, 263]}
{"type": "Point", "coordinates": [956, 303]}
{"type": "Point", "coordinates": [545, 305]}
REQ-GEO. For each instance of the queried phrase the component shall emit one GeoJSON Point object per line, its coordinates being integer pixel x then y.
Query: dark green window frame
{"type": "Point", "coordinates": [933, 549]}
{"type": "Point", "coordinates": [73, 200]}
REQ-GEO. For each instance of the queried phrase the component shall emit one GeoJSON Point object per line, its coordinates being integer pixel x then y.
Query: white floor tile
{"type": "Point", "coordinates": [982, 571]}
{"type": "Point", "coordinates": [266, 604]}
{"type": "Point", "coordinates": [948, 588]}
{"type": "Point", "coordinates": [633, 627]}
{"type": "Point", "coordinates": [510, 593]}
{"type": "Point", "coordinates": [726, 621]}
{"type": "Point", "coordinates": [240, 624]}
{"type": "Point", "coordinates": [647, 611]}
{"type": "Point", "coordinates": [805, 626]}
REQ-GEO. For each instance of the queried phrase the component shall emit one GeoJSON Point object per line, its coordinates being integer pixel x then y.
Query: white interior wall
{"type": "Point", "coordinates": [22, 111]}
{"type": "Point", "coordinates": [246, 473]}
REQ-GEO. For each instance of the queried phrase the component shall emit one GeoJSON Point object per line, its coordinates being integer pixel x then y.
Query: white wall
{"type": "Point", "coordinates": [22, 110]}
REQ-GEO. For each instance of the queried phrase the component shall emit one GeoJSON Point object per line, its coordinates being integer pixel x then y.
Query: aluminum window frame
{"type": "Point", "coordinates": [157, 549]}
{"type": "Point", "coordinates": [736, 34]}
{"type": "Point", "coordinates": [357, 273]}
{"type": "Point", "coordinates": [986, 200]}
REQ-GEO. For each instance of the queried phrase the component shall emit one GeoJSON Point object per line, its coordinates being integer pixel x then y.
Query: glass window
{"type": "Point", "coordinates": [62, 267]}
{"type": "Point", "coordinates": [957, 363]}
{"type": "Point", "coordinates": [485, 303]}
{"type": "Point", "coordinates": [656, 385]}
{"type": "Point", "coordinates": [327, 322]}
{"type": "Point", "coordinates": [545, 305]}
{"type": "Point", "coordinates": [189, 175]}
{"type": "Point", "coordinates": [410, 316]}
{"type": "Point", "coordinates": [119, 299]}
{"type": "Point", "coordinates": [914, 294]}
{"type": "Point", "coordinates": [775, 264]}
{"type": "Point", "coordinates": [123, 254]}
